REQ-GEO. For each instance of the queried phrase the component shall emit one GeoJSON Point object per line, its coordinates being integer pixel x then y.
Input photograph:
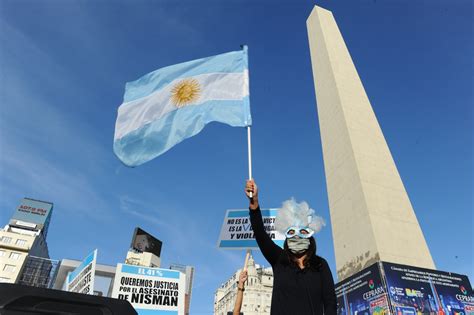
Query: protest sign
{"type": "Point", "coordinates": [150, 290]}
{"type": "Point", "coordinates": [81, 279]}
{"type": "Point", "coordinates": [237, 233]}
{"type": "Point", "coordinates": [389, 288]}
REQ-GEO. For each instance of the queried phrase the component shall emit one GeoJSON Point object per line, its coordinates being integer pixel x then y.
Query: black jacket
{"type": "Point", "coordinates": [308, 291]}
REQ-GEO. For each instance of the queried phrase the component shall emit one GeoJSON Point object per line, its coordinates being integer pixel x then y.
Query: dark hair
{"type": "Point", "coordinates": [312, 260]}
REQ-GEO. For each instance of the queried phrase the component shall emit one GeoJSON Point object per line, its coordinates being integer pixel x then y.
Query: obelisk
{"type": "Point", "coordinates": [371, 215]}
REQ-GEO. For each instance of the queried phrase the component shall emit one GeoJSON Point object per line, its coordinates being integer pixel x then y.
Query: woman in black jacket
{"type": "Point", "coordinates": [302, 281]}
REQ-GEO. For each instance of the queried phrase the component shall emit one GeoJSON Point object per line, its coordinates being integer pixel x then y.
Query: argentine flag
{"type": "Point", "coordinates": [170, 104]}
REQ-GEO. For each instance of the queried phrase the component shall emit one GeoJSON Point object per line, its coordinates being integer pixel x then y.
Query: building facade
{"type": "Point", "coordinates": [25, 237]}
{"type": "Point", "coordinates": [142, 259]}
{"type": "Point", "coordinates": [257, 295]}
{"type": "Point", "coordinates": [104, 277]}
{"type": "Point", "coordinates": [16, 245]}
{"type": "Point", "coordinates": [189, 272]}
{"type": "Point", "coordinates": [39, 272]}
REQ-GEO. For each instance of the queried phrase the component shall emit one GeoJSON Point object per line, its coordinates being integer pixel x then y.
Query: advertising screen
{"type": "Point", "coordinates": [145, 242]}
{"type": "Point", "coordinates": [362, 294]}
{"type": "Point", "coordinates": [415, 291]}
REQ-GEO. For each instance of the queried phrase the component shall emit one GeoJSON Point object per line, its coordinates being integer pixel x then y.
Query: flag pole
{"type": "Point", "coordinates": [249, 155]}
{"type": "Point", "coordinates": [246, 89]}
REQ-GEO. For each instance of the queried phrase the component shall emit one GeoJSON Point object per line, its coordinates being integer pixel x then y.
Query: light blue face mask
{"type": "Point", "coordinates": [301, 232]}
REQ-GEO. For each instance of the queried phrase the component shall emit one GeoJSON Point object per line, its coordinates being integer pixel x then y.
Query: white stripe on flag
{"type": "Point", "coordinates": [214, 86]}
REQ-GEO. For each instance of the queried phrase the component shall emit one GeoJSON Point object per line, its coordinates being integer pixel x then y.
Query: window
{"type": "Point", "coordinates": [9, 268]}
{"type": "Point", "coordinates": [2, 253]}
{"type": "Point", "coordinates": [20, 242]}
{"type": "Point", "coordinates": [6, 239]}
{"type": "Point", "coordinates": [14, 255]}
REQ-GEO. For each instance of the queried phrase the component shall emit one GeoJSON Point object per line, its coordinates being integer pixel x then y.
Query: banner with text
{"type": "Point", "coordinates": [236, 231]}
{"type": "Point", "coordinates": [414, 290]}
{"type": "Point", "coordinates": [81, 279]}
{"type": "Point", "coordinates": [150, 290]}
{"type": "Point", "coordinates": [33, 213]}
{"type": "Point", "coordinates": [362, 293]}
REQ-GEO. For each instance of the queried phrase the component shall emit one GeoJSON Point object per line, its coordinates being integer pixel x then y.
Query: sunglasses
{"type": "Point", "coordinates": [302, 232]}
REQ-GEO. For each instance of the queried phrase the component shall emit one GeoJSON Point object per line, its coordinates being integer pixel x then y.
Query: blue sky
{"type": "Point", "coordinates": [63, 66]}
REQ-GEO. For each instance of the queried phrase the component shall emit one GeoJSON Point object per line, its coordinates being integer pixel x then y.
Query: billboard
{"type": "Point", "coordinates": [150, 290]}
{"type": "Point", "coordinates": [415, 291]}
{"type": "Point", "coordinates": [81, 279]}
{"type": "Point", "coordinates": [35, 212]}
{"type": "Point", "coordinates": [145, 242]}
{"type": "Point", "coordinates": [388, 288]}
{"type": "Point", "coordinates": [363, 293]}
{"type": "Point", "coordinates": [236, 230]}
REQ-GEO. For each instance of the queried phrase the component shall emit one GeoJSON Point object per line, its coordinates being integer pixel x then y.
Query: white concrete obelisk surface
{"type": "Point", "coordinates": [371, 215]}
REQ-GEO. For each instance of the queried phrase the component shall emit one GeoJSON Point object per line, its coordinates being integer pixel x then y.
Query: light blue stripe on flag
{"type": "Point", "coordinates": [235, 61]}
{"type": "Point", "coordinates": [171, 104]}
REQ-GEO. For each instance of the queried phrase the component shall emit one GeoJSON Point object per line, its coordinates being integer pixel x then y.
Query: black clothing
{"type": "Point", "coordinates": [308, 291]}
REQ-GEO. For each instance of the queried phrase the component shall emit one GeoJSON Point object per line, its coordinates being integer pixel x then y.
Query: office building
{"type": "Point", "coordinates": [39, 272]}
{"type": "Point", "coordinates": [189, 272]}
{"type": "Point", "coordinates": [24, 237]}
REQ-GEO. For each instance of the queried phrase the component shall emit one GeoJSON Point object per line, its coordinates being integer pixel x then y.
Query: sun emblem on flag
{"type": "Point", "coordinates": [185, 92]}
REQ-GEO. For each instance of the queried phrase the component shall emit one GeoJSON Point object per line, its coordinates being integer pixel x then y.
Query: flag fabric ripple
{"type": "Point", "coordinates": [170, 104]}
